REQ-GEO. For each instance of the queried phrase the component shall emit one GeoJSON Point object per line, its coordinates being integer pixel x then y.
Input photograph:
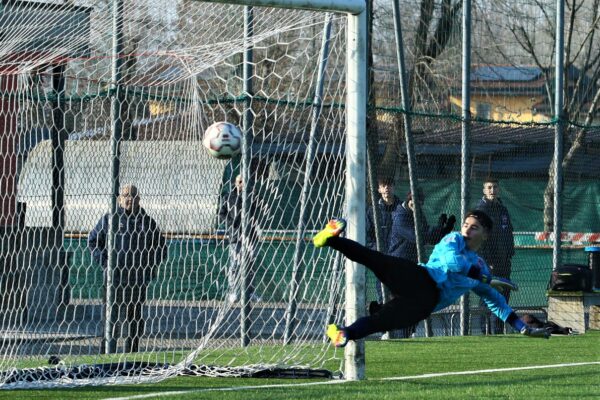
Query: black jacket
{"type": "Point", "coordinates": [139, 244]}
{"type": "Point", "coordinates": [398, 230]}
{"type": "Point", "coordinates": [500, 245]}
{"type": "Point", "coordinates": [230, 214]}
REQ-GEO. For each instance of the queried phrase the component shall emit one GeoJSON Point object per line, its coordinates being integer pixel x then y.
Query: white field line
{"type": "Point", "coordinates": [337, 382]}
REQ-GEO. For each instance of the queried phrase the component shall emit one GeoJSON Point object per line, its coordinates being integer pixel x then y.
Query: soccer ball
{"type": "Point", "coordinates": [222, 140]}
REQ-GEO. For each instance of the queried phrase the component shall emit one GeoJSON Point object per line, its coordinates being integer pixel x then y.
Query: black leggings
{"type": "Point", "coordinates": [415, 292]}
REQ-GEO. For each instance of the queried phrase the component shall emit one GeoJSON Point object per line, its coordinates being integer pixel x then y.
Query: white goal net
{"type": "Point", "coordinates": [198, 280]}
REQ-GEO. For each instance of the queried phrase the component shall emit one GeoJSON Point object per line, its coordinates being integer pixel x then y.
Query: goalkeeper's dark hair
{"type": "Point", "coordinates": [482, 217]}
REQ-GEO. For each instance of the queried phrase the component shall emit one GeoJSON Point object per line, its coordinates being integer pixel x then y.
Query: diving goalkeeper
{"type": "Point", "coordinates": [453, 269]}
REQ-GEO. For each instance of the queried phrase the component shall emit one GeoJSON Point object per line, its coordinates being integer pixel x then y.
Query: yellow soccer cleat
{"type": "Point", "coordinates": [336, 335]}
{"type": "Point", "coordinates": [334, 227]}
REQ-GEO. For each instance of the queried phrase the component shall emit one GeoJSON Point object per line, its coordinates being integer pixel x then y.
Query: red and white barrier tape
{"type": "Point", "coordinates": [573, 237]}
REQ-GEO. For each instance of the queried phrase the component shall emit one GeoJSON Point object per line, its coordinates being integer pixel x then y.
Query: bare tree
{"type": "Point", "coordinates": [428, 38]}
{"type": "Point", "coordinates": [581, 74]}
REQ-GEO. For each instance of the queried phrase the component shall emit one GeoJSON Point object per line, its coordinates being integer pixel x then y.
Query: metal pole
{"type": "Point", "coordinates": [372, 150]}
{"type": "Point", "coordinates": [334, 289]}
{"type": "Point", "coordinates": [356, 111]}
{"type": "Point", "coordinates": [410, 148]}
{"type": "Point", "coordinates": [558, 133]}
{"type": "Point", "coordinates": [373, 199]}
{"type": "Point", "coordinates": [248, 119]}
{"type": "Point", "coordinates": [310, 155]}
{"type": "Point", "coordinates": [465, 142]}
{"type": "Point", "coordinates": [58, 148]}
{"type": "Point", "coordinates": [59, 137]}
{"type": "Point", "coordinates": [110, 342]}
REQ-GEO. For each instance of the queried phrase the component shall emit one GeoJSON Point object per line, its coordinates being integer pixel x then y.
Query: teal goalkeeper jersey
{"type": "Point", "coordinates": [449, 264]}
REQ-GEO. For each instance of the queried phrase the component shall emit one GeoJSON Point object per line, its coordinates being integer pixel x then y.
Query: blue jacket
{"type": "Point", "coordinates": [449, 264]}
{"type": "Point", "coordinates": [398, 230]}
{"type": "Point", "coordinates": [139, 244]}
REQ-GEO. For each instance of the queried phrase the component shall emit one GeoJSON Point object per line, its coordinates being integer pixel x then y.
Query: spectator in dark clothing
{"type": "Point", "coordinates": [398, 233]}
{"type": "Point", "coordinates": [405, 229]}
{"type": "Point", "coordinates": [388, 206]}
{"type": "Point", "coordinates": [500, 248]}
{"type": "Point", "coordinates": [230, 213]}
{"type": "Point", "coordinates": [140, 248]}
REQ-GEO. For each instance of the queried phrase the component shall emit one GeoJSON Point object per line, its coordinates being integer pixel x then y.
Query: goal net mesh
{"type": "Point", "coordinates": [88, 107]}
{"type": "Point", "coordinates": [94, 99]}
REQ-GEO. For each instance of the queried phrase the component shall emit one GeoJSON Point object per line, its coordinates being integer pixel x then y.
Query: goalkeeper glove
{"type": "Point", "coordinates": [448, 225]}
{"type": "Point", "coordinates": [442, 220]}
{"type": "Point", "coordinates": [503, 283]}
{"type": "Point", "coordinates": [535, 332]}
{"type": "Point", "coordinates": [478, 273]}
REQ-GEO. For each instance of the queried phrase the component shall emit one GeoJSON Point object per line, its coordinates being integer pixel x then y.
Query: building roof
{"type": "Point", "coordinates": [513, 149]}
{"type": "Point", "coordinates": [505, 73]}
{"type": "Point", "coordinates": [527, 80]}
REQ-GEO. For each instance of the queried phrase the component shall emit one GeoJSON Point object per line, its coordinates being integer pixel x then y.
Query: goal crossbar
{"type": "Point", "coordinates": [346, 6]}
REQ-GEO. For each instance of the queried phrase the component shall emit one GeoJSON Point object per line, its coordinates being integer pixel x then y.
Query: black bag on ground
{"type": "Point", "coordinates": [571, 278]}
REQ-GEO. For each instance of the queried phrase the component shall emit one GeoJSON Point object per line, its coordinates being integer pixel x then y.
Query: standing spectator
{"type": "Point", "coordinates": [398, 233]}
{"type": "Point", "coordinates": [230, 213]}
{"type": "Point", "coordinates": [140, 248]}
{"type": "Point", "coordinates": [405, 229]}
{"type": "Point", "coordinates": [388, 206]}
{"type": "Point", "coordinates": [499, 249]}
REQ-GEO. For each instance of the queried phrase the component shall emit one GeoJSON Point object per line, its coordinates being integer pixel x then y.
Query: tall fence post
{"type": "Point", "coordinates": [248, 188]}
{"type": "Point", "coordinates": [410, 147]}
{"type": "Point", "coordinates": [558, 133]}
{"type": "Point", "coordinates": [465, 143]}
{"type": "Point", "coordinates": [110, 341]}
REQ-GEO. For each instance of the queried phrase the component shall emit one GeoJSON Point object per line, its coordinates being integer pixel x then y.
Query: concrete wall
{"type": "Point", "coordinates": [179, 183]}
